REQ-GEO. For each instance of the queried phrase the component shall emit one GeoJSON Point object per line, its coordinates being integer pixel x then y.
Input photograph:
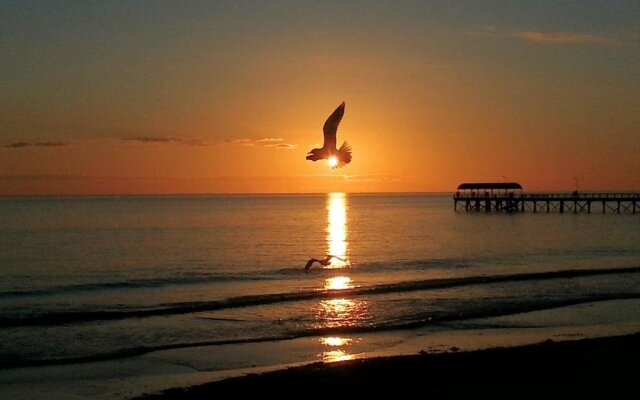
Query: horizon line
{"type": "Point", "coordinates": [185, 194]}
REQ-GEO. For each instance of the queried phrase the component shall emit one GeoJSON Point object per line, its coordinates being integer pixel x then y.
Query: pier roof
{"type": "Point", "coordinates": [490, 185]}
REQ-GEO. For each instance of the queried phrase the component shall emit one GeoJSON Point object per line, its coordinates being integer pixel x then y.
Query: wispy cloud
{"type": "Point", "coordinates": [564, 38]}
{"type": "Point", "coordinates": [268, 141]}
{"type": "Point", "coordinates": [265, 142]}
{"type": "Point", "coordinates": [21, 145]}
{"type": "Point", "coordinates": [547, 38]}
{"type": "Point", "coordinates": [287, 146]}
{"type": "Point", "coordinates": [160, 140]}
{"type": "Point", "coordinates": [169, 139]}
{"type": "Point", "coordinates": [240, 142]}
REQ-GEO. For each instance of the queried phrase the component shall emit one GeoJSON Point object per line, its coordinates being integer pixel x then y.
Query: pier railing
{"type": "Point", "coordinates": [551, 196]}
{"type": "Point", "coordinates": [575, 202]}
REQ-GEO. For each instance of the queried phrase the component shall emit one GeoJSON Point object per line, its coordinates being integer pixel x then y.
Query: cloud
{"type": "Point", "coordinates": [264, 142]}
{"type": "Point", "coordinates": [21, 145]}
{"type": "Point", "coordinates": [287, 146]}
{"type": "Point", "coordinates": [546, 38]}
{"type": "Point", "coordinates": [563, 38]}
{"type": "Point", "coordinates": [168, 139]}
{"type": "Point", "coordinates": [240, 142]}
{"type": "Point", "coordinates": [185, 141]}
{"type": "Point", "coordinates": [267, 141]}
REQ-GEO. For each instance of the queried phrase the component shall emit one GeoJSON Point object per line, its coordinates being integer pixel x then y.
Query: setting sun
{"type": "Point", "coordinates": [333, 161]}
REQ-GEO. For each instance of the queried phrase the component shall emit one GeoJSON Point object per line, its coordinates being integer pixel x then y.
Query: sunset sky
{"type": "Point", "coordinates": [106, 97]}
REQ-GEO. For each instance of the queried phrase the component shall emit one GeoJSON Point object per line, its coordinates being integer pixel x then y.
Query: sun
{"type": "Point", "coordinates": [333, 161]}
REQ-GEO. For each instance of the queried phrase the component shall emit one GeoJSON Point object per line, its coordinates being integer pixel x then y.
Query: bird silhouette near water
{"type": "Point", "coordinates": [337, 157]}
{"type": "Point", "coordinates": [324, 262]}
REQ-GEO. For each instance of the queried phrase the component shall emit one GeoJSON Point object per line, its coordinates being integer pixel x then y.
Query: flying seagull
{"type": "Point", "coordinates": [324, 262]}
{"type": "Point", "coordinates": [337, 157]}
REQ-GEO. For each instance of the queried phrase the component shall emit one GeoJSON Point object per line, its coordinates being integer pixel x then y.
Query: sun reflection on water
{"type": "Point", "coordinates": [336, 355]}
{"type": "Point", "coordinates": [335, 341]}
{"type": "Point", "coordinates": [333, 354]}
{"type": "Point", "coordinates": [338, 283]}
{"type": "Point", "coordinates": [337, 229]}
{"type": "Point", "coordinates": [336, 313]}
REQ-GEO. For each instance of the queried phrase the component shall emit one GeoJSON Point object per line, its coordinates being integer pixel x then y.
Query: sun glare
{"type": "Point", "coordinates": [339, 354]}
{"type": "Point", "coordinates": [338, 283]}
{"type": "Point", "coordinates": [333, 161]}
{"type": "Point", "coordinates": [335, 356]}
{"type": "Point", "coordinates": [337, 229]}
{"type": "Point", "coordinates": [335, 341]}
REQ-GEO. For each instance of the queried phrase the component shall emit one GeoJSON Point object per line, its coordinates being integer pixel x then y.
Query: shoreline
{"type": "Point", "coordinates": [182, 368]}
{"type": "Point", "coordinates": [584, 366]}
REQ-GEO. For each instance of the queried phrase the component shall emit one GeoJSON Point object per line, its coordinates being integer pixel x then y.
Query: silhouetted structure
{"type": "Point", "coordinates": [509, 197]}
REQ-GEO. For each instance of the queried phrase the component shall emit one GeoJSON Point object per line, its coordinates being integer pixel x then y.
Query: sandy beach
{"type": "Point", "coordinates": [603, 366]}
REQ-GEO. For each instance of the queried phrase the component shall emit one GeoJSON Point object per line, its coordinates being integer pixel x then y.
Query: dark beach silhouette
{"type": "Point", "coordinates": [590, 367]}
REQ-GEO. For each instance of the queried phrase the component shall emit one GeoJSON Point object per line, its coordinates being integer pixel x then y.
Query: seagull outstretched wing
{"type": "Point", "coordinates": [330, 127]}
{"type": "Point", "coordinates": [310, 263]}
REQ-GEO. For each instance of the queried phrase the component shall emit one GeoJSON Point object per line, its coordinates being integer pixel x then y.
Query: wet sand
{"type": "Point", "coordinates": [603, 367]}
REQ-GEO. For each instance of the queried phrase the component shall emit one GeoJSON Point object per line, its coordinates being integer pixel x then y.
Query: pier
{"type": "Point", "coordinates": [509, 197]}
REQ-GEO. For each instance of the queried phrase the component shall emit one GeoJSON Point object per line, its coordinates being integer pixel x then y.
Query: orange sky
{"type": "Point", "coordinates": [117, 98]}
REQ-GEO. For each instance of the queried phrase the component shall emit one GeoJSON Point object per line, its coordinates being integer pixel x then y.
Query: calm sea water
{"type": "Point", "coordinates": [86, 278]}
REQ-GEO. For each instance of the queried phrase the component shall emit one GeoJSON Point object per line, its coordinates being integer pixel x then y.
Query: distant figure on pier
{"type": "Point", "coordinates": [324, 262]}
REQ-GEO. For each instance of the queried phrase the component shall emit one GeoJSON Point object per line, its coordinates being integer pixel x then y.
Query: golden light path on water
{"type": "Point", "coordinates": [338, 283]}
{"type": "Point", "coordinates": [336, 349]}
{"type": "Point", "coordinates": [338, 312]}
{"type": "Point", "coordinates": [337, 229]}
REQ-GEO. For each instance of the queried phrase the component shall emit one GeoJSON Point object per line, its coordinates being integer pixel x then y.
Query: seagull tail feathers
{"type": "Point", "coordinates": [343, 155]}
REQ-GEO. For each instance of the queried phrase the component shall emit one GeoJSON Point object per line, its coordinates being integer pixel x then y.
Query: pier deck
{"type": "Point", "coordinates": [509, 197]}
{"type": "Point", "coordinates": [551, 202]}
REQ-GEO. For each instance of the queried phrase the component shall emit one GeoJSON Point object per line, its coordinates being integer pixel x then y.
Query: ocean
{"type": "Point", "coordinates": [217, 283]}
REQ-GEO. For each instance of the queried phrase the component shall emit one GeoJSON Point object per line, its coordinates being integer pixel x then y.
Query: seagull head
{"type": "Point", "coordinates": [315, 155]}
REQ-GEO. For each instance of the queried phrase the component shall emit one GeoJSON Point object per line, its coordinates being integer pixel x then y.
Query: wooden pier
{"type": "Point", "coordinates": [509, 197]}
